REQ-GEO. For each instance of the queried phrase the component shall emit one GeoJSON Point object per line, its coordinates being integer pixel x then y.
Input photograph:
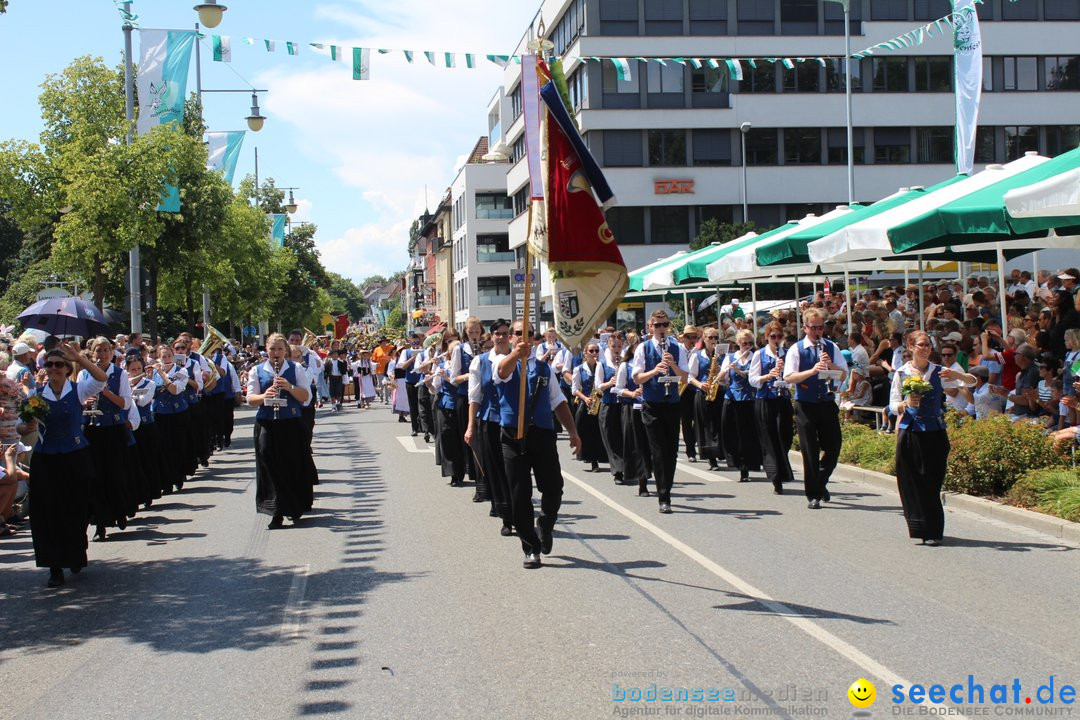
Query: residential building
{"type": "Point", "coordinates": [420, 279]}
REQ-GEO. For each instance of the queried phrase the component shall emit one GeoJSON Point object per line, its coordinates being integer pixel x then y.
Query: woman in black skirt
{"type": "Point", "coordinates": [742, 447]}
{"type": "Point", "coordinates": [611, 431]}
{"type": "Point", "coordinates": [586, 378]}
{"type": "Point", "coordinates": [637, 460]}
{"type": "Point", "coordinates": [144, 385]}
{"type": "Point", "coordinates": [171, 415]}
{"type": "Point", "coordinates": [61, 466]}
{"type": "Point", "coordinates": [922, 443]}
{"type": "Point", "coordinates": [284, 469]}
{"type": "Point", "coordinates": [707, 414]}
{"type": "Point", "coordinates": [772, 408]}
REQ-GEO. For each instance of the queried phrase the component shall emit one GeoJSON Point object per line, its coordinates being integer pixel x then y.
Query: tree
{"type": "Point", "coordinates": [714, 231]}
{"type": "Point", "coordinates": [345, 296]}
{"type": "Point", "coordinates": [299, 301]}
{"type": "Point", "coordinates": [396, 322]}
{"type": "Point", "coordinates": [268, 198]}
{"type": "Point", "coordinates": [11, 241]}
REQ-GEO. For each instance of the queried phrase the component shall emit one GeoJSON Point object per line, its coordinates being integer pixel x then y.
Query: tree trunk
{"type": "Point", "coordinates": [99, 282]}
{"type": "Point", "coordinates": [189, 307]}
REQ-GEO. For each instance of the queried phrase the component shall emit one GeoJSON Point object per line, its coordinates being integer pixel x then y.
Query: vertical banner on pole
{"type": "Point", "coordinates": [967, 42]}
{"type": "Point", "coordinates": [223, 152]}
{"type": "Point", "coordinates": [162, 84]}
{"type": "Point", "coordinates": [277, 228]}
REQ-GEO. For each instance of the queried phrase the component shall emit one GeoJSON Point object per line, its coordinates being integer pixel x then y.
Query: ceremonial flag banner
{"type": "Point", "coordinates": [222, 48]}
{"type": "Point", "coordinates": [165, 58]}
{"type": "Point", "coordinates": [361, 64]}
{"type": "Point", "coordinates": [224, 151]}
{"type": "Point", "coordinates": [967, 42]}
{"type": "Point", "coordinates": [277, 228]}
{"type": "Point", "coordinates": [450, 59]}
{"type": "Point", "coordinates": [588, 274]}
{"type": "Point", "coordinates": [341, 326]}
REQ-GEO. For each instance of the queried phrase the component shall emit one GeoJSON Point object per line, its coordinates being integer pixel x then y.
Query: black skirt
{"type": "Point", "coordinates": [742, 447]}
{"type": "Point", "coordinates": [450, 443]}
{"type": "Point", "coordinates": [637, 459]}
{"type": "Point", "coordinates": [151, 461]}
{"type": "Point", "coordinates": [175, 454]}
{"type": "Point", "coordinates": [61, 507]}
{"type": "Point", "coordinates": [588, 427]}
{"type": "Point", "coordinates": [708, 424]}
{"type": "Point", "coordinates": [611, 431]}
{"type": "Point", "coordinates": [921, 459]}
{"type": "Point", "coordinates": [283, 468]}
{"type": "Point", "coordinates": [461, 413]}
{"type": "Point", "coordinates": [112, 492]}
{"type": "Point", "coordinates": [776, 428]}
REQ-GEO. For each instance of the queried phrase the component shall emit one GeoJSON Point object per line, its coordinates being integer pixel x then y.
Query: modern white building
{"type": "Point", "coordinates": [670, 138]}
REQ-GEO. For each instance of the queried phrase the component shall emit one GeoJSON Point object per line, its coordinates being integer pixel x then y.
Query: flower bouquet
{"type": "Point", "coordinates": [33, 408]}
{"type": "Point", "coordinates": [913, 389]}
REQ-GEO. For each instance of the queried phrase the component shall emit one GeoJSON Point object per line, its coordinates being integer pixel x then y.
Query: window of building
{"type": "Point", "coordinates": [628, 224]}
{"type": "Point", "coordinates": [1061, 9]}
{"type": "Point", "coordinates": [804, 77]}
{"type": "Point", "coordinates": [1062, 72]}
{"type": "Point", "coordinates": [834, 75]}
{"type": "Point", "coordinates": [709, 87]}
{"type": "Point", "coordinates": [493, 248]}
{"type": "Point", "coordinates": [670, 225]}
{"type": "Point", "coordinates": [1019, 11]}
{"type": "Point", "coordinates": [708, 17]}
{"type": "Point", "coordinates": [756, 17]}
{"type": "Point", "coordinates": [798, 17]}
{"type": "Point", "coordinates": [890, 74]}
{"type": "Point", "coordinates": [892, 145]}
{"type": "Point", "coordinates": [712, 147]}
{"type": "Point", "coordinates": [985, 144]}
{"type": "Point", "coordinates": [988, 74]}
{"type": "Point", "coordinates": [934, 144]}
{"type": "Point", "coordinates": [577, 84]}
{"type": "Point", "coordinates": [521, 200]}
{"type": "Point", "coordinates": [836, 153]}
{"type": "Point", "coordinates": [621, 93]}
{"type": "Point", "coordinates": [622, 148]}
{"type": "Point", "coordinates": [569, 27]}
{"type": "Point", "coordinates": [493, 290]}
{"type": "Point", "coordinates": [666, 78]}
{"type": "Point", "coordinates": [667, 148]}
{"type": "Point", "coordinates": [618, 17]}
{"type": "Point", "coordinates": [494, 206]}
{"type": "Point", "coordinates": [932, 9]}
{"type": "Point", "coordinates": [723, 214]}
{"type": "Point", "coordinates": [1020, 139]}
{"type": "Point", "coordinates": [933, 74]}
{"type": "Point", "coordinates": [760, 79]}
{"type": "Point", "coordinates": [515, 101]}
{"type": "Point", "coordinates": [1062, 138]}
{"type": "Point", "coordinates": [663, 17]}
{"type": "Point", "coordinates": [766, 217]}
{"type": "Point", "coordinates": [802, 146]}
{"type": "Point", "coordinates": [761, 144]}
{"type": "Point", "coordinates": [1021, 74]}
{"type": "Point", "coordinates": [834, 18]}
{"type": "Point", "coordinates": [517, 151]}
{"type": "Point", "coordinates": [889, 9]}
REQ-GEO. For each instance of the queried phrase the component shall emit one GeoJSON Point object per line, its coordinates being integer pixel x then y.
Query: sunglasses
{"type": "Point", "coordinates": [501, 333]}
{"type": "Point", "coordinates": [593, 351]}
{"type": "Point", "coordinates": [518, 333]}
{"type": "Point", "coordinates": [776, 337]}
{"type": "Point", "coordinates": [56, 364]}
{"type": "Point", "coordinates": [661, 324]}
{"type": "Point", "coordinates": [948, 354]}
{"type": "Point", "coordinates": [815, 327]}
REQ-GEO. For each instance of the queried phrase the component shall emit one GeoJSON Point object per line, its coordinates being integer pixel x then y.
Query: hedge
{"type": "Point", "coordinates": [1054, 490]}
{"type": "Point", "coordinates": [988, 456]}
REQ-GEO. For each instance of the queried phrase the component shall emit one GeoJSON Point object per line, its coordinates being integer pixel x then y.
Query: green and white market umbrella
{"type": "Point", "coordinates": [637, 277]}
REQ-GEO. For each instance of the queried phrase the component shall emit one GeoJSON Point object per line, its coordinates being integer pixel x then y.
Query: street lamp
{"type": "Point", "coordinates": [210, 13]}
{"type": "Point", "coordinates": [256, 119]}
{"type": "Point", "coordinates": [291, 206]}
{"type": "Point", "coordinates": [744, 128]}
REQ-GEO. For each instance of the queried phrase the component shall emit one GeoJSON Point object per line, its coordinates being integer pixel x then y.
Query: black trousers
{"type": "Point", "coordinates": [228, 411]}
{"type": "Point", "coordinates": [536, 453]}
{"type": "Point", "coordinates": [775, 428]}
{"type": "Point", "coordinates": [494, 469]}
{"type": "Point", "coordinates": [686, 420]}
{"type": "Point", "coordinates": [214, 419]}
{"type": "Point", "coordinates": [819, 442]}
{"type": "Point", "coordinates": [611, 432]}
{"type": "Point", "coordinates": [661, 422]}
{"type": "Point", "coordinates": [637, 460]}
{"type": "Point", "coordinates": [414, 406]}
{"type": "Point", "coordinates": [425, 400]}
{"type": "Point", "coordinates": [461, 412]}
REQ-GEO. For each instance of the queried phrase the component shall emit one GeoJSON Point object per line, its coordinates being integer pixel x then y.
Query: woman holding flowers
{"type": "Point", "coordinates": [922, 444]}
{"type": "Point", "coordinates": [61, 466]}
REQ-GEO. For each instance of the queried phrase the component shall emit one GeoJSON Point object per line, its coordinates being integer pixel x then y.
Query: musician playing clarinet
{"type": "Point", "coordinates": [280, 389]}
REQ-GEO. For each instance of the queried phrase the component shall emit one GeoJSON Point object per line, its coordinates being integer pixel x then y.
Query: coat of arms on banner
{"type": "Point", "coordinates": [568, 304]}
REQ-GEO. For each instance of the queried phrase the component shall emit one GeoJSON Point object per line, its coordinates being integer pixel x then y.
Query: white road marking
{"type": "Point", "coordinates": [707, 475]}
{"type": "Point", "coordinates": [294, 605]}
{"type": "Point", "coordinates": [407, 443]}
{"type": "Point", "coordinates": [841, 647]}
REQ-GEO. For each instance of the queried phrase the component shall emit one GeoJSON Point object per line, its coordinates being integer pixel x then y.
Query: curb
{"type": "Point", "coordinates": [1029, 519]}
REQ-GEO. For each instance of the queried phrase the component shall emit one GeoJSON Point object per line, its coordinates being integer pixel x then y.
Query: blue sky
{"type": "Point", "coordinates": [360, 152]}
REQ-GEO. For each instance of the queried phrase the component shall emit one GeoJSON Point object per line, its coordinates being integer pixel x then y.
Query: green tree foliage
{"type": "Point", "coordinates": [11, 242]}
{"type": "Point", "coordinates": [23, 288]}
{"type": "Point", "coordinates": [396, 323]}
{"type": "Point", "coordinates": [345, 296]}
{"type": "Point", "coordinates": [299, 302]}
{"type": "Point", "coordinates": [714, 231]}
{"type": "Point", "coordinates": [268, 198]}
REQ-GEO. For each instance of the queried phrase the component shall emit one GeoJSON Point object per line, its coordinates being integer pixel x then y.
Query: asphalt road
{"type": "Point", "coordinates": [398, 598]}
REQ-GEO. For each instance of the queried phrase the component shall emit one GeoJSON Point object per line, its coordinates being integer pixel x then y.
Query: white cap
{"type": "Point", "coordinates": [953, 337]}
{"type": "Point", "coordinates": [734, 301]}
{"type": "Point", "coordinates": [21, 349]}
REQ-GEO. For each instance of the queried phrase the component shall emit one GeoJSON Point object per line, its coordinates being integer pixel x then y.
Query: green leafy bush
{"type": "Point", "coordinates": [988, 456]}
{"type": "Point", "coordinates": [865, 447]}
{"type": "Point", "coordinates": [1055, 491]}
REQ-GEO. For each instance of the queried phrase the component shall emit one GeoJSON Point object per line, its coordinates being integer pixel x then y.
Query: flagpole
{"type": "Point", "coordinates": [524, 375]}
{"type": "Point", "coordinates": [134, 259]}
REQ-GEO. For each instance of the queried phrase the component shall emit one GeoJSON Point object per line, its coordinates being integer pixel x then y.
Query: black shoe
{"type": "Point", "coordinates": [618, 478]}
{"type": "Point", "coordinates": [531, 561]}
{"type": "Point", "coordinates": [277, 522]}
{"type": "Point", "coordinates": [99, 535]}
{"type": "Point", "coordinates": [691, 458]}
{"type": "Point", "coordinates": [713, 465]}
{"type": "Point", "coordinates": [400, 418]}
{"type": "Point", "coordinates": [546, 539]}
{"type": "Point", "coordinates": [493, 513]}
{"type": "Point", "coordinates": [75, 570]}
{"type": "Point", "coordinates": [506, 531]}
{"type": "Point", "coordinates": [56, 578]}
{"type": "Point", "coordinates": [121, 523]}
{"type": "Point", "coordinates": [179, 484]}
{"type": "Point", "coordinates": [826, 496]}
{"type": "Point", "coordinates": [415, 434]}
{"type": "Point", "coordinates": [744, 476]}
{"type": "Point", "coordinates": [643, 492]}
{"type": "Point", "coordinates": [778, 490]}
{"type": "Point", "coordinates": [427, 437]}
{"type": "Point", "coordinates": [932, 542]}
{"type": "Point", "coordinates": [478, 498]}
{"type": "Point", "coordinates": [595, 466]}
{"type": "Point", "coordinates": [204, 462]}
{"type": "Point", "coordinates": [814, 504]}
{"type": "Point", "coordinates": [665, 508]}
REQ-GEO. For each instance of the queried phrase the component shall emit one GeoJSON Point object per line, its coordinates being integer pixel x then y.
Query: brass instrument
{"type": "Point", "coordinates": [309, 338]}
{"type": "Point", "coordinates": [214, 341]}
{"type": "Point", "coordinates": [595, 400]}
{"type": "Point", "coordinates": [714, 377]}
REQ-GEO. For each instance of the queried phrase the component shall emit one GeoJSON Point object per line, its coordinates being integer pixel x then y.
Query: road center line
{"type": "Point", "coordinates": [841, 647]}
{"type": "Point", "coordinates": [294, 606]}
{"type": "Point", "coordinates": [703, 474]}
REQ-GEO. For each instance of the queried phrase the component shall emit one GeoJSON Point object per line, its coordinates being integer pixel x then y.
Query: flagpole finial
{"type": "Point", "coordinates": [538, 45]}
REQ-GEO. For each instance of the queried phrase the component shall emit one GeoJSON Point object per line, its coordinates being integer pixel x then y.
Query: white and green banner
{"type": "Point", "coordinates": [223, 152]}
{"type": "Point", "coordinates": [222, 48]}
{"type": "Point", "coordinates": [162, 84]}
{"type": "Point", "coordinates": [967, 42]}
{"type": "Point", "coordinates": [361, 64]}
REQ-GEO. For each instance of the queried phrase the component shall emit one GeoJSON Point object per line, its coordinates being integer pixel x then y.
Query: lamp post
{"type": "Point", "coordinates": [210, 13]}
{"type": "Point", "coordinates": [744, 129]}
{"type": "Point", "coordinates": [134, 260]}
{"type": "Point", "coordinates": [290, 207]}
{"type": "Point", "coordinates": [847, 98]}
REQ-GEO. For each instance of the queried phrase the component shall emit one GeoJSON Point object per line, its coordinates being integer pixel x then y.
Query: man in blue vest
{"type": "Point", "coordinates": [409, 362]}
{"type": "Point", "coordinates": [661, 356]}
{"type": "Point", "coordinates": [816, 413]}
{"type": "Point", "coordinates": [536, 452]}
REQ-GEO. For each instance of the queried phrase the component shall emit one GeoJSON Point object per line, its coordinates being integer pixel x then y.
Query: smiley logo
{"type": "Point", "coordinates": [862, 693]}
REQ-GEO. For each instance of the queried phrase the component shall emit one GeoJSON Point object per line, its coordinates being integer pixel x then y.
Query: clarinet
{"type": "Point", "coordinates": [277, 373]}
{"type": "Point", "coordinates": [667, 386]}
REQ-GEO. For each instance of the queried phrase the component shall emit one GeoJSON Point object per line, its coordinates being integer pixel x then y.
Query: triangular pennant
{"type": "Point", "coordinates": [752, 62]}
{"type": "Point", "coordinates": [384, 51]}
{"type": "Point", "coordinates": [788, 64]}
{"type": "Point", "coordinates": [695, 63]}
{"type": "Point", "coordinates": [292, 47]}
{"type": "Point", "coordinates": [430, 56]}
{"type": "Point", "coordinates": [735, 68]}
{"type": "Point", "coordinates": [249, 41]}
{"type": "Point", "coordinates": [450, 59]}
{"type": "Point", "coordinates": [504, 60]}
{"type": "Point", "coordinates": [712, 63]}
{"type": "Point", "coordinates": [335, 53]}
{"type": "Point", "coordinates": [408, 56]}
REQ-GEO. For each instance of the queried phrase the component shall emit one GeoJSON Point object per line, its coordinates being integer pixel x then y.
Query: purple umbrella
{"type": "Point", "coordinates": [65, 317]}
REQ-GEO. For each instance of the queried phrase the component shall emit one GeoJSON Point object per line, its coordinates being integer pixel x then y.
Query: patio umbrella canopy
{"type": "Point", "coordinates": [685, 270]}
{"type": "Point", "coordinates": [738, 264]}
{"type": "Point", "coordinates": [637, 278]}
{"type": "Point", "coordinates": [1046, 201]}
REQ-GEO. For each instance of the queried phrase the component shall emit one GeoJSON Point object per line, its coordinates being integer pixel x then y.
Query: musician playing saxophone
{"type": "Point", "coordinates": [704, 375]}
{"type": "Point", "coordinates": [584, 385]}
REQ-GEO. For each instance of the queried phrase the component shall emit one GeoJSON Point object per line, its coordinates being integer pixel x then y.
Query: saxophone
{"type": "Point", "coordinates": [714, 377]}
{"type": "Point", "coordinates": [595, 401]}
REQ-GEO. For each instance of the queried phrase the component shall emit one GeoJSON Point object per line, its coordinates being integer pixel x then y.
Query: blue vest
{"type": "Point", "coordinates": [62, 430]}
{"type": "Point", "coordinates": [539, 374]}
{"type": "Point", "coordinates": [194, 370]}
{"type": "Point", "coordinates": [165, 403]}
{"type": "Point", "coordinates": [654, 392]}
{"type": "Point", "coordinates": [111, 413]}
{"type": "Point", "coordinates": [466, 360]}
{"type": "Point", "coordinates": [930, 415]}
{"type": "Point", "coordinates": [813, 389]}
{"type": "Point", "coordinates": [606, 373]}
{"type": "Point", "coordinates": [703, 364]}
{"type": "Point", "coordinates": [630, 385]}
{"type": "Point", "coordinates": [146, 412]}
{"type": "Point", "coordinates": [489, 406]}
{"type": "Point", "coordinates": [588, 382]}
{"type": "Point", "coordinates": [767, 391]}
{"type": "Point", "coordinates": [219, 386]}
{"type": "Point", "coordinates": [447, 390]}
{"type": "Point", "coordinates": [266, 379]}
{"type": "Point", "coordinates": [411, 376]}
{"type": "Point", "coordinates": [739, 388]}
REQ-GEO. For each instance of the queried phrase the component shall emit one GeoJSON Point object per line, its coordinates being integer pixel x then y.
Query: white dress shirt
{"type": "Point", "coordinates": [638, 363]}
{"type": "Point", "coordinates": [88, 388]}
{"type": "Point", "coordinates": [791, 361]}
{"type": "Point", "coordinates": [302, 379]}
{"type": "Point", "coordinates": [756, 377]}
{"type": "Point", "coordinates": [476, 388]}
{"type": "Point", "coordinates": [620, 384]}
{"type": "Point", "coordinates": [125, 385]}
{"type": "Point", "coordinates": [555, 396]}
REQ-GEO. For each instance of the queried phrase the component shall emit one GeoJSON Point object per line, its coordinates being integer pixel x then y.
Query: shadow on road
{"type": "Point", "coordinates": [758, 607]}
